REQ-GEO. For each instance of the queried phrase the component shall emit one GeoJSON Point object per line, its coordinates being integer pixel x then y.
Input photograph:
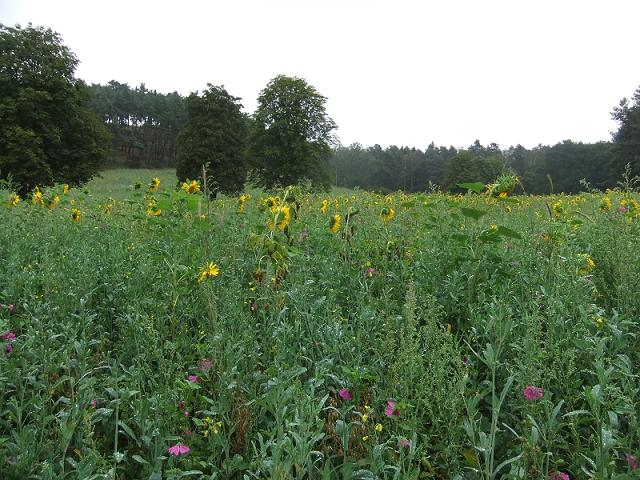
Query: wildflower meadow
{"type": "Point", "coordinates": [149, 332]}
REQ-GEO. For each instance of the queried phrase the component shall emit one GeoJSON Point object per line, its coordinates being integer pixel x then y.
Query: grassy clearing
{"type": "Point", "coordinates": [297, 336]}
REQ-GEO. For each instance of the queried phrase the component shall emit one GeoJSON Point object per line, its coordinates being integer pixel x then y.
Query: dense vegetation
{"type": "Point", "coordinates": [149, 333]}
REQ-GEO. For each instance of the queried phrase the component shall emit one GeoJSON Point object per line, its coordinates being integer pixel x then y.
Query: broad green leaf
{"type": "Point", "coordinates": [473, 212]}
{"type": "Point", "coordinates": [477, 187]}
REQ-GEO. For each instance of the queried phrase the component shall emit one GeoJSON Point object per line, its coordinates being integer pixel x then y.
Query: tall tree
{"type": "Point", "coordinates": [627, 138]}
{"type": "Point", "coordinates": [214, 136]}
{"type": "Point", "coordinates": [47, 133]}
{"type": "Point", "coordinates": [291, 135]}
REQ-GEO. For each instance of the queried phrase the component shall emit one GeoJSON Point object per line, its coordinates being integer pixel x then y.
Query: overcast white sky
{"type": "Point", "coordinates": [394, 72]}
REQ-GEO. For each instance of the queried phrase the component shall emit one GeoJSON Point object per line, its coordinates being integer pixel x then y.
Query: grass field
{"type": "Point", "coordinates": [150, 334]}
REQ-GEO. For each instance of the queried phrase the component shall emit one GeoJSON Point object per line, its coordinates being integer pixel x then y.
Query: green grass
{"type": "Point", "coordinates": [450, 310]}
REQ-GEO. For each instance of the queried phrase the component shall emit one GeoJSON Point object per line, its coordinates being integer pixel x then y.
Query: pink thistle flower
{"type": "Point", "coordinates": [178, 449]}
{"type": "Point", "coordinates": [632, 461]}
{"type": "Point", "coordinates": [532, 393]}
{"type": "Point", "coordinates": [94, 403]}
{"type": "Point", "coordinates": [186, 414]}
{"type": "Point", "coordinates": [8, 336]}
{"type": "Point", "coordinates": [622, 210]}
{"type": "Point", "coordinates": [205, 365]}
{"type": "Point", "coordinates": [405, 443]}
{"type": "Point", "coordinates": [391, 410]}
{"type": "Point", "coordinates": [180, 405]}
{"type": "Point", "coordinates": [370, 272]}
{"type": "Point", "coordinates": [345, 394]}
{"type": "Point", "coordinates": [193, 378]}
{"type": "Point", "coordinates": [8, 348]}
{"type": "Point", "coordinates": [559, 476]}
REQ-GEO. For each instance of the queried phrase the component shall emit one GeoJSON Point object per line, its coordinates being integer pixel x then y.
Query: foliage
{"type": "Point", "coordinates": [425, 336]}
{"type": "Point", "coordinates": [143, 123]}
{"type": "Point", "coordinates": [291, 135]}
{"type": "Point", "coordinates": [214, 138]}
{"type": "Point", "coordinates": [48, 133]}
{"type": "Point", "coordinates": [627, 138]}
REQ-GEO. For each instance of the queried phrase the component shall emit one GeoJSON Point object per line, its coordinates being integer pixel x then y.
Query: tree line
{"type": "Point", "coordinates": [565, 167]}
{"type": "Point", "coordinates": [56, 129]}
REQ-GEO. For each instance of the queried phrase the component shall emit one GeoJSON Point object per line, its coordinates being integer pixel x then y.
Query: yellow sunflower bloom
{"type": "Point", "coordinates": [76, 215]}
{"type": "Point", "coordinates": [208, 270]}
{"type": "Point", "coordinates": [14, 199]}
{"type": "Point", "coordinates": [334, 226]}
{"type": "Point", "coordinates": [154, 185]}
{"type": "Point", "coordinates": [192, 186]}
{"type": "Point", "coordinates": [387, 214]}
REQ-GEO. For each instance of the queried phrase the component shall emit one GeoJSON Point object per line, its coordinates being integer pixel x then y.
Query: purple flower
{"type": "Point", "coordinates": [8, 336]}
{"type": "Point", "coordinates": [391, 410]}
{"type": "Point", "coordinates": [193, 378]}
{"type": "Point", "coordinates": [204, 365]}
{"type": "Point", "coordinates": [559, 476]}
{"type": "Point", "coordinates": [632, 461]}
{"type": "Point", "coordinates": [405, 443]}
{"type": "Point", "coordinates": [11, 307]}
{"type": "Point", "coordinates": [181, 405]}
{"type": "Point", "coordinates": [533, 393]}
{"type": "Point", "coordinates": [345, 394]}
{"type": "Point", "coordinates": [178, 449]}
{"type": "Point", "coordinates": [94, 403]}
{"type": "Point", "coordinates": [8, 348]}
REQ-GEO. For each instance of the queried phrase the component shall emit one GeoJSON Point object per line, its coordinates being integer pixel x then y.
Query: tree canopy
{"type": "Point", "coordinates": [627, 138]}
{"type": "Point", "coordinates": [291, 136]}
{"type": "Point", "coordinates": [47, 132]}
{"type": "Point", "coordinates": [214, 136]}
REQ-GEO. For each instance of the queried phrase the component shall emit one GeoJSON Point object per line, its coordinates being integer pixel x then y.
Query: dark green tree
{"type": "Point", "coordinates": [291, 136]}
{"type": "Point", "coordinates": [47, 133]}
{"type": "Point", "coordinates": [214, 136]}
{"type": "Point", "coordinates": [627, 138]}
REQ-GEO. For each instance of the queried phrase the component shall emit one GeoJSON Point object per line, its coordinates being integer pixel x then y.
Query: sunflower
{"type": "Point", "coordinates": [65, 189]}
{"type": "Point", "coordinates": [334, 225]}
{"type": "Point", "coordinates": [191, 187]}
{"type": "Point", "coordinates": [154, 185]}
{"type": "Point", "coordinates": [76, 215]}
{"type": "Point", "coordinates": [208, 270]}
{"type": "Point", "coordinates": [14, 199]}
{"type": "Point", "coordinates": [325, 206]}
{"type": "Point", "coordinates": [387, 214]}
{"type": "Point", "coordinates": [53, 203]}
{"type": "Point", "coordinates": [152, 209]}
{"type": "Point", "coordinates": [36, 199]}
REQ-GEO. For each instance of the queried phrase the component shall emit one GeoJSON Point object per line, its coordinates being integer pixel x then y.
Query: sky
{"type": "Point", "coordinates": [395, 72]}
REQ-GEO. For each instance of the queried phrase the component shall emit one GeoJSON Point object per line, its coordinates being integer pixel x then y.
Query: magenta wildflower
{"type": "Point", "coordinates": [533, 393]}
{"type": "Point", "coordinates": [193, 378]}
{"type": "Point", "coordinates": [405, 443]}
{"type": "Point", "coordinates": [205, 365]}
{"type": "Point", "coordinates": [345, 394]}
{"type": "Point", "coordinates": [559, 476]}
{"type": "Point", "coordinates": [622, 210]}
{"type": "Point", "coordinates": [186, 413]}
{"type": "Point", "coordinates": [632, 461]}
{"type": "Point", "coordinates": [8, 336]}
{"type": "Point", "coordinates": [391, 410]}
{"type": "Point", "coordinates": [8, 348]}
{"type": "Point", "coordinates": [94, 403]}
{"type": "Point", "coordinates": [178, 449]}
{"type": "Point", "coordinates": [370, 272]}
{"type": "Point", "coordinates": [180, 405]}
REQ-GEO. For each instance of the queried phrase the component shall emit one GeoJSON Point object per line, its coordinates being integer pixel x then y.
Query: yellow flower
{"type": "Point", "coordinates": [208, 270]}
{"type": "Point", "coordinates": [378, 427]}
{"type": "Point", "coordinates": [388, 214]}
{"type": "Point", "coordinates": [76, 215]}
{"type": "Point", "coordinates": [599, 322]}
{"type": "Point", "coordinates": [241, 201]}
{"type": "Point", "coordinates": [365, 417]}
{"type": "Point", "coordinates": [65, 189]}
{"type": "Point", "coordinates": [325, 206]}
{"type": "Point", "coordinates": [191, 187]}
{"type": "Point", "coordinates": [605, 204]}
{"type": "Point", "coordinates": [334, 226]}
{"type": "Point", "coordinates": [586, 264]}
{"type": "Point", "coordinates": [37, 197]}
{"type": "Point", "coordinates": [365, 438]}
{"type": "Point", "coordinates": [152, 209]}
{"type": "Point", "coordinates": [53, 203]}
{"type": "Point", "coordinates": [154, 185]}
{"type": "Point", "coordinates": [503, 195]}
{"type": "Point", "coordinates": [282, 224]}
{"type": "Point", "coordinates": [14, 200]}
